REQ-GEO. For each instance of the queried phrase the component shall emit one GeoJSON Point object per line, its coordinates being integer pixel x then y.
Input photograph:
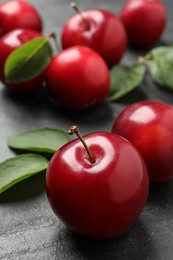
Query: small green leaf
{"type": "Point", "coordinates": [28, 61]}
{"type": "Point", "coordinates": [18, 168]}
{"type": "Point", "coordinates": [124, 79]}
{"type": "Point", "coordinates": [161, 66]}
{"type": "Point", "coordinates": [46, 140]}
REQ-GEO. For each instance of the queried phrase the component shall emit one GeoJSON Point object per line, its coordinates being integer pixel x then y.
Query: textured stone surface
{"type": "Point", "coordinates": [28, 228]}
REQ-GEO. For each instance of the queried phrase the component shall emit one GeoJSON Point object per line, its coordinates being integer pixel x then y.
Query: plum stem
{"type": "Point", "coordinates": [54, 37]}
{"type": "Point", "coordinates": [74, 130]}
{"type": "Point", "coordinates": [145, 59]}
{"type": "Point", "coordinates": [78, 11]}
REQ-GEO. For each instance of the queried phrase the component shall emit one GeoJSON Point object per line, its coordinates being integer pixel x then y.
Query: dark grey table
{"type": "Point", "coordinates": [28, 228]}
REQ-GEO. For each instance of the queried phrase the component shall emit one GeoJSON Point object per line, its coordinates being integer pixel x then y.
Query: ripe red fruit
{"type": "Point", "coordinates": [18, 14]}
{"type": "Point", "coordinates": [144, 21]}
{"type": "Point", "coordinates": [99, 30]}
{"type": "Point", "coordinates": [78, 78]}
{"type": "Point", "coordinates": [99, 199]}
{"type": "Point", "coordinates": [10, 42]}
{"type": "Point", "coordinates": [148, 126]}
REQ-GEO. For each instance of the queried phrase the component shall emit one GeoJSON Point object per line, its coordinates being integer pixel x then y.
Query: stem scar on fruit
{"type": "Point", "coordinates": [78, 11]}
{"type": "Point", "coordinates": [74, 130]}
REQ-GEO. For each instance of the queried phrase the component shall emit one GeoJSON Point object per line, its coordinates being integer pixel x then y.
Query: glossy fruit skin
{"type": "Point", "coordinates": [106, 34]}
{"type": "Point", "coordinates": [100, 200]}
{"type": "Point", "coordinates": [148, 126]}
{"type": "Point", "coordinates": [78, 78]}
{"type": "Point", "coordinates": [144, 21]}
{"type": "Point", "coordinates": [10, 42]}
{"type": "Point", "coordinates": [18, 14]}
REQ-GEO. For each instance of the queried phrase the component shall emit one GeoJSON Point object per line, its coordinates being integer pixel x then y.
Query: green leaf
{"type": "Point", "coordinates": [46, 140]}
{"type": "Point", "coordinates": [28, 61]}
{"type": "Point", "coordinates": [18, 168]}
{"type": "Point", "coordinates": [124, 79]}
{"type": "Point", "coordinates": [161, 66]}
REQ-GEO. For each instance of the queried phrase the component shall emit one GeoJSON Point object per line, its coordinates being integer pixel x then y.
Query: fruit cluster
{"type": "Point", "coordinates": [93, 41]}
{"type": "Point", "coordinates": [98, 187]}
{"type": "Point", "coordinates": [98, 184]}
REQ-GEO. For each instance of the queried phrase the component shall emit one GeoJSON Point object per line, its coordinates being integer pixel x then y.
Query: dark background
{"type": "Point", "coordinates": [28, 228]}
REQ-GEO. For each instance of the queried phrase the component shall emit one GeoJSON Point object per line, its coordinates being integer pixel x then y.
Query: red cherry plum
{"type": "Point", "coordinates": [100, 199]}
{"type": "Point", "coordinates": [18, 14]}
{"type": "Point", "coordinates": [144, 21]}
{"type": "Point", "coordinates": [101, 31]}
{"type": "Point", "coordinates": [78, 78]}
{"type": "Point", "coordinates": [10, 42]}
{"type": "Point", "coordinates": [148, 125]}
